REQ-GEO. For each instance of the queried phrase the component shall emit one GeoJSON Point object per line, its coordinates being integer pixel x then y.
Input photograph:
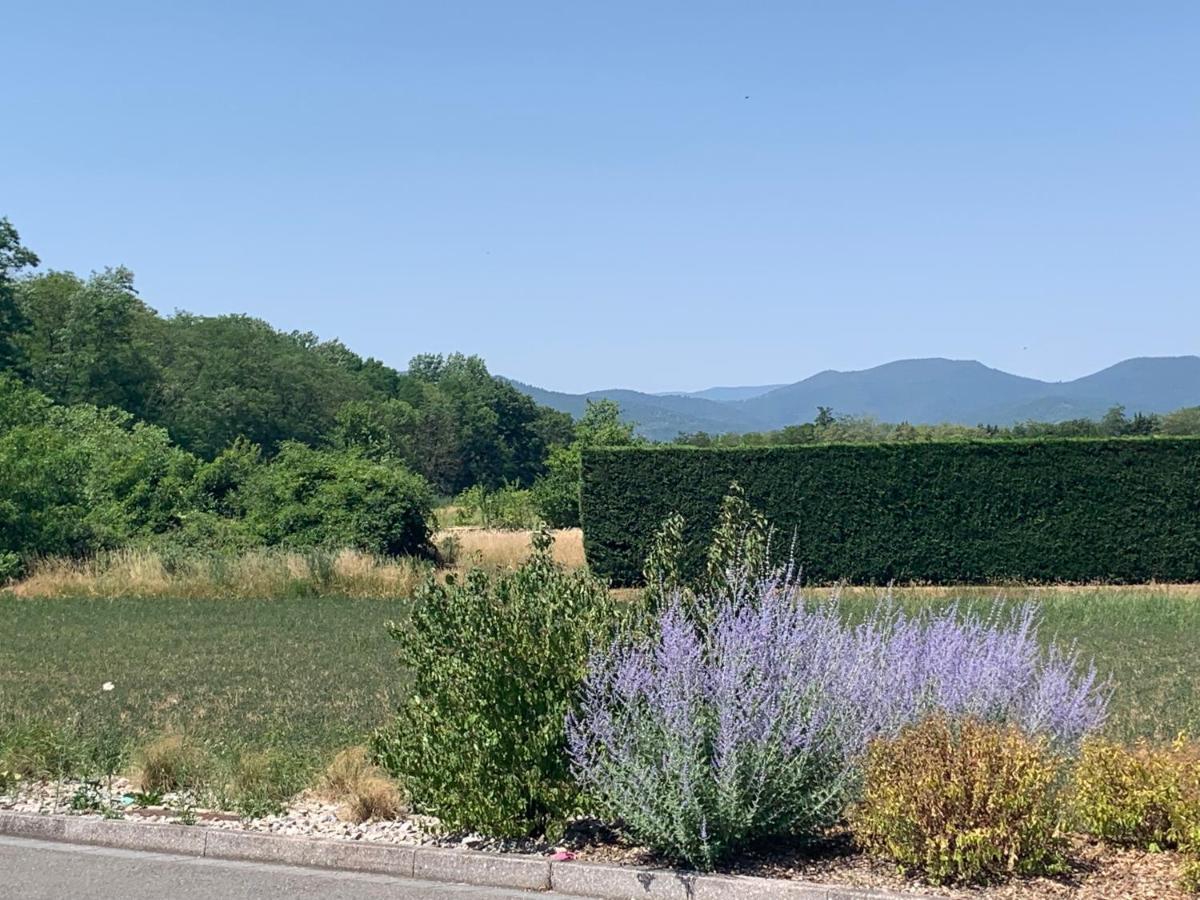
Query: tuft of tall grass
{"type": "Point", "coordinates": [362, 788]}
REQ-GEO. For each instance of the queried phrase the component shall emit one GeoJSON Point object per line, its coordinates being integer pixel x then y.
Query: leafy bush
{"type": "Point", "coordinates": [1145, 796]}
{"type": "Point", "coordinates": [961, 801]}
{"type": "Point", "coordinates": [556, 494]}
{"type": "Point", "coordinates": [972, 511]}
{"type": "Point", "coordinates": [326, 498]}
{"type": "Point", "coordinates": [494, 663]}
{"type": "Point", "coordinates": [1189, 878]}
{"type": "Point", "coordinates": [509, 507]}
{"type": "Point", "coordinates": [749, 721]}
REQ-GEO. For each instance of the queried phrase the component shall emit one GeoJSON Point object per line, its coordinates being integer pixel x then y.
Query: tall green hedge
{"type": "Point", "coordinates": [1122, 510]}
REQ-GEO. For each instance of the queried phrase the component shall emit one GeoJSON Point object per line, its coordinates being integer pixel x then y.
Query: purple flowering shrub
{"type": "Point", "coordinates": [752, 720]}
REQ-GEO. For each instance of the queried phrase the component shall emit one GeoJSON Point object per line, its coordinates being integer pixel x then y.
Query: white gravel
{"type": "Point", "coordinates": [306, 815]}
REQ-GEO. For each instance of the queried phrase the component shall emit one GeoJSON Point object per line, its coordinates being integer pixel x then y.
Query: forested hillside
{"type": "Point", "coordinates": [119, 425]}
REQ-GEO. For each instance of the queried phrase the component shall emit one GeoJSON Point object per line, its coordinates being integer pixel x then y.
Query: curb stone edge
{"type": "Point", "coordinates": [531, 873]}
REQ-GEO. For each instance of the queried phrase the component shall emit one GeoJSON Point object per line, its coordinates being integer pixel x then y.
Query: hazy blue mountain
{"type": "Point", "coordinates": [1148, 384]}
{"type": "Point", "coordinates": [725, 394]}
{"type": "Point", "coordinates": [910, 390]}
{"type": "Point", "coordinates": [658, 417]}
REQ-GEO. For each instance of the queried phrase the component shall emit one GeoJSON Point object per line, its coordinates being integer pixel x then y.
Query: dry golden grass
{"type": "Point", "coordinates": [266, 574]}
{"type": "Point", "coordinates": [257, 574]}
{"type": "Point", "coordinates": [362, 788]}
{"type": "Point", "coordinates": [493, 548]}
{"type": "Point", "coordinates": [168, 763]}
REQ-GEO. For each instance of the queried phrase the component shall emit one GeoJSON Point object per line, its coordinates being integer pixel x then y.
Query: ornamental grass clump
{"type": "Point", "coordinates": [962, 800]}
{"type": "Point", "coordinates": [748, 717]}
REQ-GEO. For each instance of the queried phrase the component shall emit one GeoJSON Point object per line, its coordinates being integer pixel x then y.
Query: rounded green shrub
{"type": "Point", "coordinates": [494, 662]}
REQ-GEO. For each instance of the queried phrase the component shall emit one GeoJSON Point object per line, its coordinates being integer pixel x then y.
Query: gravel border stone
{"type": "Point", "coordinates": [432, 864]}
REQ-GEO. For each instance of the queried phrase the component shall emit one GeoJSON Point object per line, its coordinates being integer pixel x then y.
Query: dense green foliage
{"type": "Point", "coordinates": [1122, 510]}
{"type": "Point", "coordinates": [120, 427]}
{"type": "Point", "coordinates": [510, 507]}
{"type": "Point", "coordinates": [494, 663]}
{"type": "Point", "coordinates": [557, 492]}
{"type": "Point", "coordinates": [75, 480]}
{"type": "Point", "coordinates": [211, 380]}
{"type": "Point", "coordinates": [962, 801]}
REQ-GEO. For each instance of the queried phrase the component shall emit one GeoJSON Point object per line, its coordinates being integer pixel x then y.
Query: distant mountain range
{"type": "Point", "coordinates": [920, 391]}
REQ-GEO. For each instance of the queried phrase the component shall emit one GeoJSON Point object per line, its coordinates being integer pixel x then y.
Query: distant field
{"type": "Point", "coordinates": [307, 676]}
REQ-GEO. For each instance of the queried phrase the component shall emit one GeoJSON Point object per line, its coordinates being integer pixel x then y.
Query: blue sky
{"type": "Point", "coordinates": [655, 195]}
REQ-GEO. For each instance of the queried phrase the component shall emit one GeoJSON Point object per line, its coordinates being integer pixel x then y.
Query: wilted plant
{"type": "Point", "coordinates": [1145, 796]}
{"type": "Point", "coordinates": [961, 801]}
{"type": "Point", "coordinates": [362, 788]}
{"type": "Point", "coordinates": [753, 721]}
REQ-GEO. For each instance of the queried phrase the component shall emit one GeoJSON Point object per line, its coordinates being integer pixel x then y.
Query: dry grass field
{"type": "Point", "coordinates": [264, 574]}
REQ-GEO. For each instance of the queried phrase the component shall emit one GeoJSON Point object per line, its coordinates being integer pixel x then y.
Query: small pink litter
{"type": "Point", "coordinates": [562, 856]}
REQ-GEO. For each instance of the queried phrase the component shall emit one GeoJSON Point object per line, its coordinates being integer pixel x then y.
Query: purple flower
{"type": "Point", "coordinates": [747, 717]}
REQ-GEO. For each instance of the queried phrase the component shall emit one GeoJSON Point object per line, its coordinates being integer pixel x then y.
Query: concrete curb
{"type": "Point", "coordinates": [429, 863]}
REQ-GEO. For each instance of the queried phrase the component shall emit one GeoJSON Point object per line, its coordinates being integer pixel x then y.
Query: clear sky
{"type": "Point", "coordinates": [659, 195]}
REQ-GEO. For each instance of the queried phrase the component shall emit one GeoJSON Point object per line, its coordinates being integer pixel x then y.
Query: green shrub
{"type": "Point", "coordinates": [1143, 795]}
{"type": "Point", "coordinates": [961, 801]}
{"type": "Point", "coordinates": [556, 493]}
{"type": "Point", "coordinates": [1118, 510]}
{"type": "Point", "coordinates": [509, 507]}
{"type": "Point", "coordinates": [1189, 877]}
{"type": "Point", "coordinates": [495, 661]}
{"type": "Point", "coordinates": [326, 498]}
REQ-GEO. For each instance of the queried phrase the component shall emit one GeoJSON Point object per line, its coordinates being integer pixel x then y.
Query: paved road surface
{"type": "Point", "coordinates": [43, 870]}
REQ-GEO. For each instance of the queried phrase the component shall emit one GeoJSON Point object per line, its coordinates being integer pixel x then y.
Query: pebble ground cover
{"type": "Point", "coordinates": [308, 676]}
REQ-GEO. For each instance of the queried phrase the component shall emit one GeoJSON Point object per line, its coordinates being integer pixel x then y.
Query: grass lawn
{"type": "Point", "coordinates": [308, 676]}
{"type": "Point", "coordinates": [304, 677]}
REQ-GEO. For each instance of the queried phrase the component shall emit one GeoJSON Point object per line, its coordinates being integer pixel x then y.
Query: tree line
{"type": "Point", "coordinates": [830, 428]}
{"type": "Point", "coordinates": [120, 426]}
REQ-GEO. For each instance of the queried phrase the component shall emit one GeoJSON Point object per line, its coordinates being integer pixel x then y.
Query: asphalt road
{"type": "Point", "coordinates": [43, 870]}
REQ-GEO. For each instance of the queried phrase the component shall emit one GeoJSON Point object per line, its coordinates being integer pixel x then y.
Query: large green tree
{"type": "Point", "coordinates": [14, 259]}
{"type": "Point", "coordinates": [89, 341]}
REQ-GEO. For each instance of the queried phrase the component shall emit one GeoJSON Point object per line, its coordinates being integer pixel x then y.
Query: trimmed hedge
{"type": "Point", "coordinates": [1115, 510]}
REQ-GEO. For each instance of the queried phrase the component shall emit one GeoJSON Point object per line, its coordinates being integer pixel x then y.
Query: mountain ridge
{"type": "Point", "coordinates": [920, 391]}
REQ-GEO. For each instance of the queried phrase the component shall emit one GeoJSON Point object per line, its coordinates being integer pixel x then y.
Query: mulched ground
{"type": "Point", "coordinates": [1097, 872]}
